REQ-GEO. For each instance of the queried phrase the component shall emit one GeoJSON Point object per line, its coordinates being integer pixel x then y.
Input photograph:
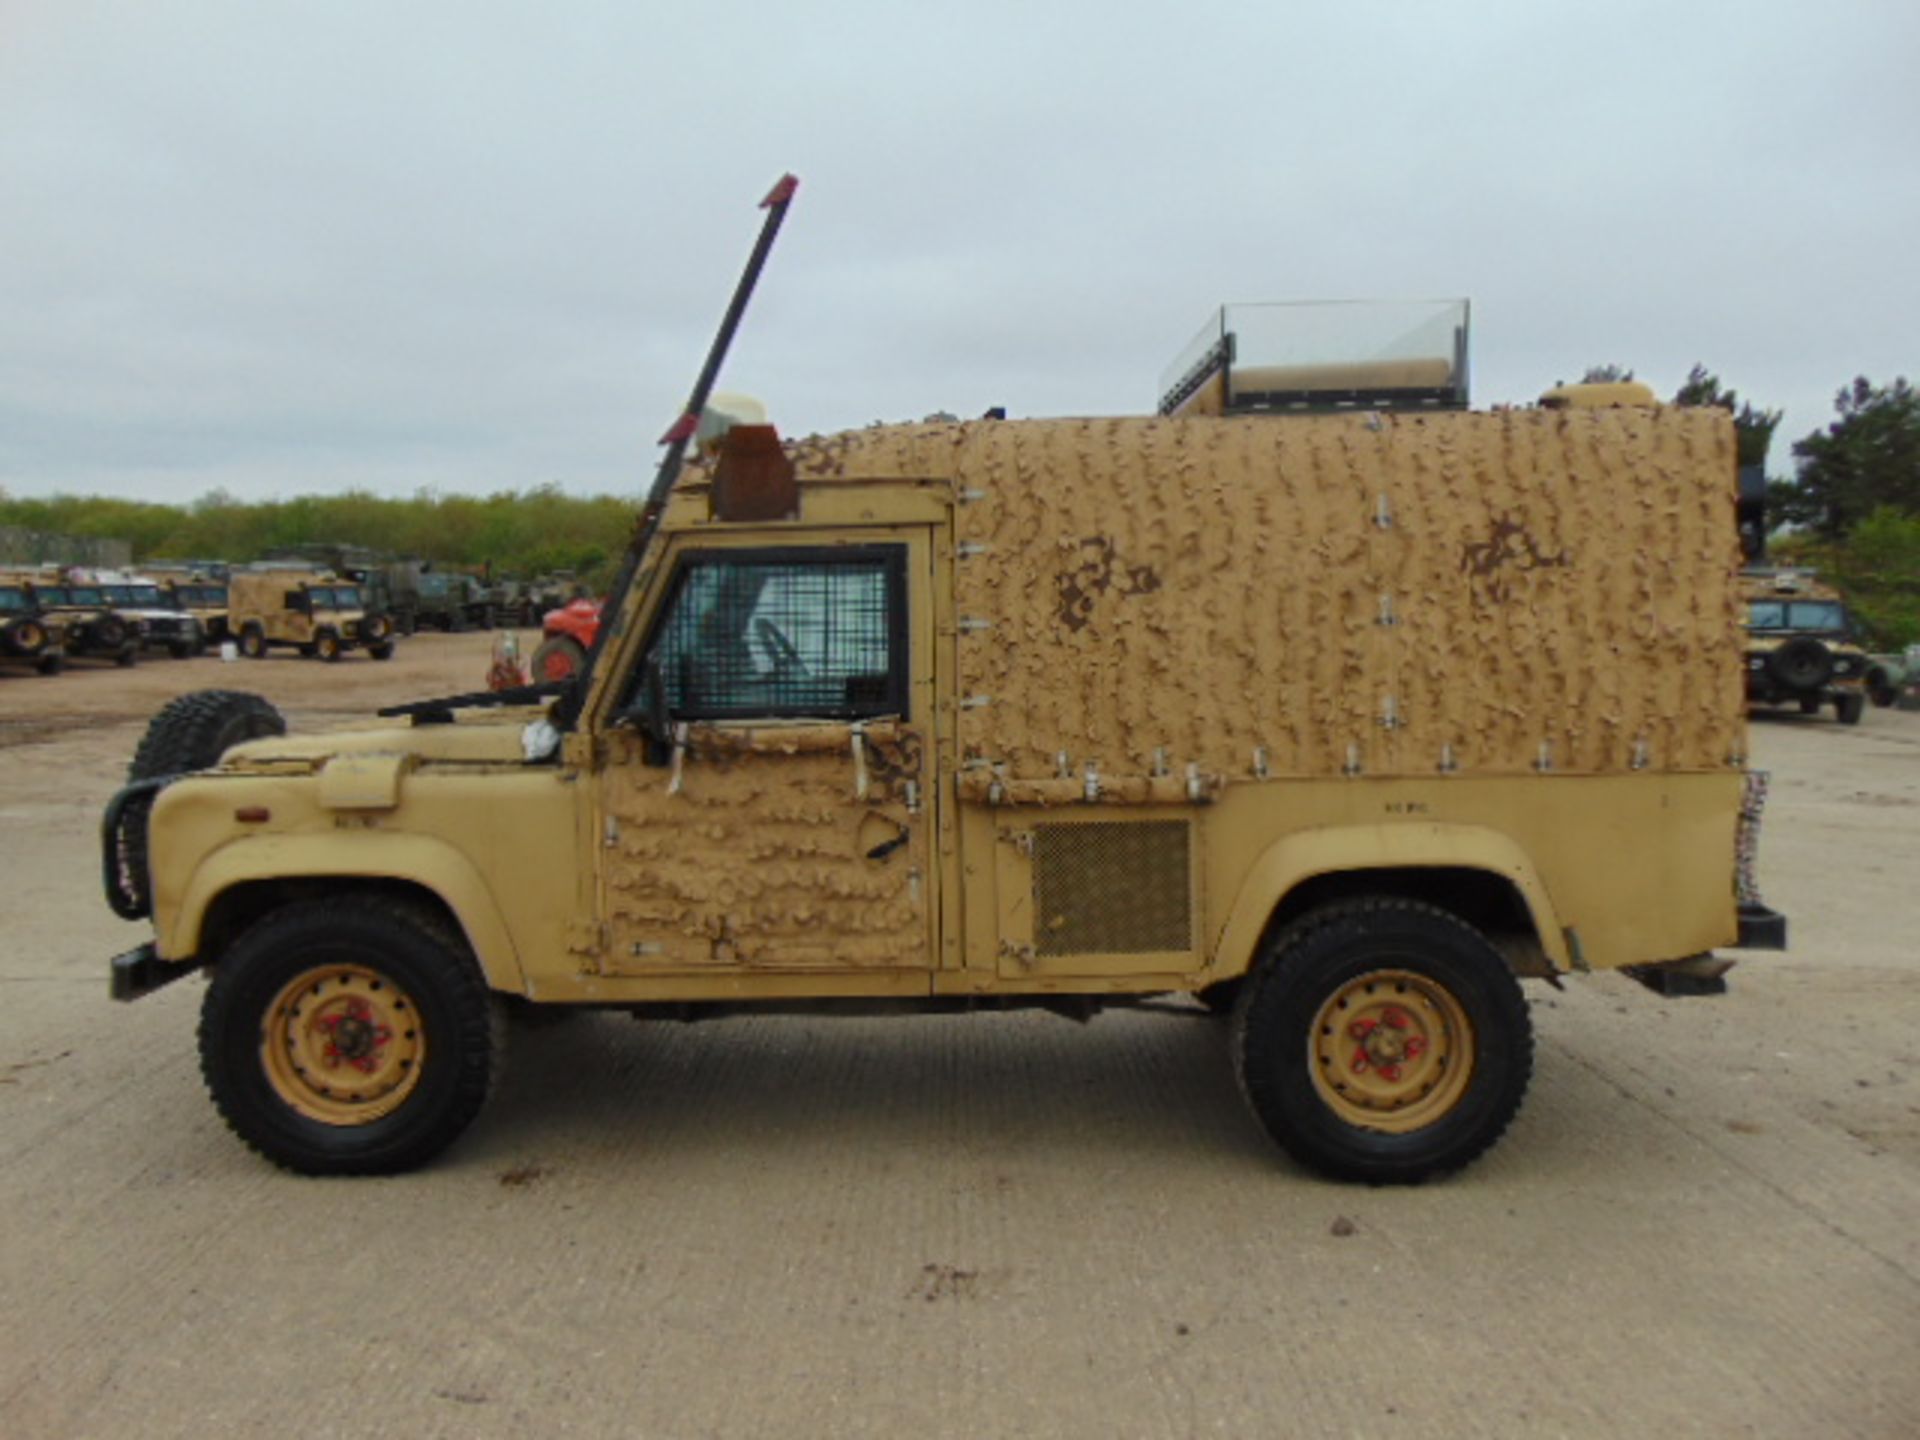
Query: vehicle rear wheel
{"type": "Point", "coordinates": [560, 657]}
{"type": "Point", "coordinates": [343, 1040]}
{"type": "Point", "coordinates": [1382, 1040]}
{"type": "Point", "coordinates": [327, 645]}
{"type": "Point", "coordinates": [1850, 707]}
{"type": "Point", "coordinates": [50, 663]}
{"type": "Point", "coordinates": [253, 642]}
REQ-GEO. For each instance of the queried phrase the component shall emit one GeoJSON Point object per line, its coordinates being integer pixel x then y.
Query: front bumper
{"type": "Point", "coordinates": [141, 972]}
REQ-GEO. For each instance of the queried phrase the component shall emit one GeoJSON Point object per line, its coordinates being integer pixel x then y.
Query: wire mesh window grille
{"type": "Point", "coordinates": [786, 634]}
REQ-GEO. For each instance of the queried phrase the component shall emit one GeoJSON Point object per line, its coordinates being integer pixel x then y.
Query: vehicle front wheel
{"type": "Point", "coordinates": [327, 646]}
{"type": "Point", "coordinates": [1850, 707]}
{"type": "Point", "coordinates": [253, 643]}
{"type": "Point", "coordinates": [1382, 1040]}
{"type": "Point", "coordinates": [348, 1041]}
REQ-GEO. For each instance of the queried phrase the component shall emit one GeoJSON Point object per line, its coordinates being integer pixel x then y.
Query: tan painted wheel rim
{"type": "Point", "coordinates": [342, 1044]}
{"type": "Point", "coordinates": [1391, 1051]}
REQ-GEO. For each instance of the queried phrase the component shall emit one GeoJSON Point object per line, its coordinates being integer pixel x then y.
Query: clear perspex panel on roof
{"type": "Point", "coordinates": [1322, 355]}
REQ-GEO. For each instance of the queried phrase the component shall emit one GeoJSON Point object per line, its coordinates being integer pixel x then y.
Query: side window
{"type": "Point", "coordinates": [786, 633]}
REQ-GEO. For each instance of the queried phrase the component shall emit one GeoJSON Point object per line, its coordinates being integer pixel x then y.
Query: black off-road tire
{"type": "Point", "coordinates": [129, 656]}
{"type": "Point", "coordinates": [1881, 689]}
{"type": "Point", "coordinates": [109, 632]}
{"type": "Point", "coordinates": [1324, 955]}
{"type": "Point", "coordinates": [181, 649]}
{"type": "Point", "coordinates": [50, 663]}
{"type": "Point", "coordinates": [328, 646]}
{"type": "Point", "coordinates": [461, 1048]}
{"type": "Point", "coordinates": [1849, 706]}
{"type": "Point", "coordinates": [381, 650]}
{"type": "Point", "coordinates": [253, 642]}
{"type": "Point", "coordinates": [1802, 664]}
{"type": "Point", "coordinates": [192, 731]}
{"type": "Point", "coordinates": [1810, 704]}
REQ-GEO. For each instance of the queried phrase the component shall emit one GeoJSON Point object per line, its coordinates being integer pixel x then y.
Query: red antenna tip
{"type": "Point", "coordinates": [782, 191]}
{"type": "Point", "coordinates": [681, 429]}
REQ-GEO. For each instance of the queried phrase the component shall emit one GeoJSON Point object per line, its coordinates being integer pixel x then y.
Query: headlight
{"type": "Point", "coordinates": [1756, 663]}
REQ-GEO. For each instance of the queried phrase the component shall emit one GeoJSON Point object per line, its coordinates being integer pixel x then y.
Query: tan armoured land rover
{"type": "Point", "coordinates": [1342, 708]}
{"type": "Point", "coordinates": [310, 611]}
{"type": "Point", "coordinates": [1801, 648]}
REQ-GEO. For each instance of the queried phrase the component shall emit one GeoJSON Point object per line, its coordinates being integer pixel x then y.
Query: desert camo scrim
{"type": "Point", "coordinates": [1472, 593]}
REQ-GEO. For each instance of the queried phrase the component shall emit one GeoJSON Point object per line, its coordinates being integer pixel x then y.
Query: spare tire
{"type": "Point", "coordinates": [1803, 663]}
{"type": "Point", "coordinates": [192, 731]}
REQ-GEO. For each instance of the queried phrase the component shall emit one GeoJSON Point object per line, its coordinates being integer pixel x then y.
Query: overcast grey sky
{"type": "Point", "coordinates": [286, 247]}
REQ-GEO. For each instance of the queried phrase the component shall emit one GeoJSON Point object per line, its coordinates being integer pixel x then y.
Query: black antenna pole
{"type": "Point", "coordinates": [567, 709]}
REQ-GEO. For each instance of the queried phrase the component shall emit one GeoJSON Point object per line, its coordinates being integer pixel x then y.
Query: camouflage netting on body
{"type": "Point", "coordinates": [1487, 593]}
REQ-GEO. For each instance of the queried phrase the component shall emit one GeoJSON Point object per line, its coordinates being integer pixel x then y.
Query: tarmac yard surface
{"type": "Point", "coordinates": [1706, 1220]}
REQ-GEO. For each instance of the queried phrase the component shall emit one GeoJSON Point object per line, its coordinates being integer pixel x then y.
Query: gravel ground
{"type": "Point", "coordinates": [1703, 1222]}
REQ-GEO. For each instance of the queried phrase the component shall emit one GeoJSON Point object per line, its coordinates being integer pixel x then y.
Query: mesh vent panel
{"type": "Point", "coordinates": [1111, 888]}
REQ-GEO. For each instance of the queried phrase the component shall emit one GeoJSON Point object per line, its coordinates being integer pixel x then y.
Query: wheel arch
{"type": "Point", "coordinates": [241, 882]}
{"type": "Point", "coordinates": [1477, 874]}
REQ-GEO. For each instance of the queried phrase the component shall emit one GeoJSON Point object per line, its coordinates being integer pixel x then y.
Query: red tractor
{"type": "Point", "coordinates": [566, 636]}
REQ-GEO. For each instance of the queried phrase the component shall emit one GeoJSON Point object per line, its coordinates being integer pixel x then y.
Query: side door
{"type": "Point", "coordinates": [777, 817]}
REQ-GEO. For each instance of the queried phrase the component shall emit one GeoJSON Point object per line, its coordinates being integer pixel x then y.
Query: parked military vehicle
{"type": "Point", "coordinates": [27, 635]}
{"type": "Point", "coordinates": [1801, 648]}
{"type": "Point", "coordinates": [93, 628]}
{"type": "Point", "coordinates": [205, 600]}
{"type": "Point", "coordinates": [311, 611]}
{"type": "Point", "coordinates": [164, 626]}
{"type": "Point", "coordinates": [439, 599]}
{"type": "Point", "coordinates": [1312, 710]}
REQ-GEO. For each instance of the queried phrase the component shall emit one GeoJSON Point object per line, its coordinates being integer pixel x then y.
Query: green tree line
{"type": "Point", "coordinates": [526, 532]}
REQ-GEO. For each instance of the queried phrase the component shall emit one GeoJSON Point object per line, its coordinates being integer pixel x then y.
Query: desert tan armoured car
{"type": "Point", "coordinates": [1341, 722]}
{"type": "Point", "coordinates": [204, 599]}
{"type": "Point", "coordinates": [1328, 702]}
{"type": "Point", "coordinates": [1801, 648]}
{"type": "Point", "coordinates": [308, 610]}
